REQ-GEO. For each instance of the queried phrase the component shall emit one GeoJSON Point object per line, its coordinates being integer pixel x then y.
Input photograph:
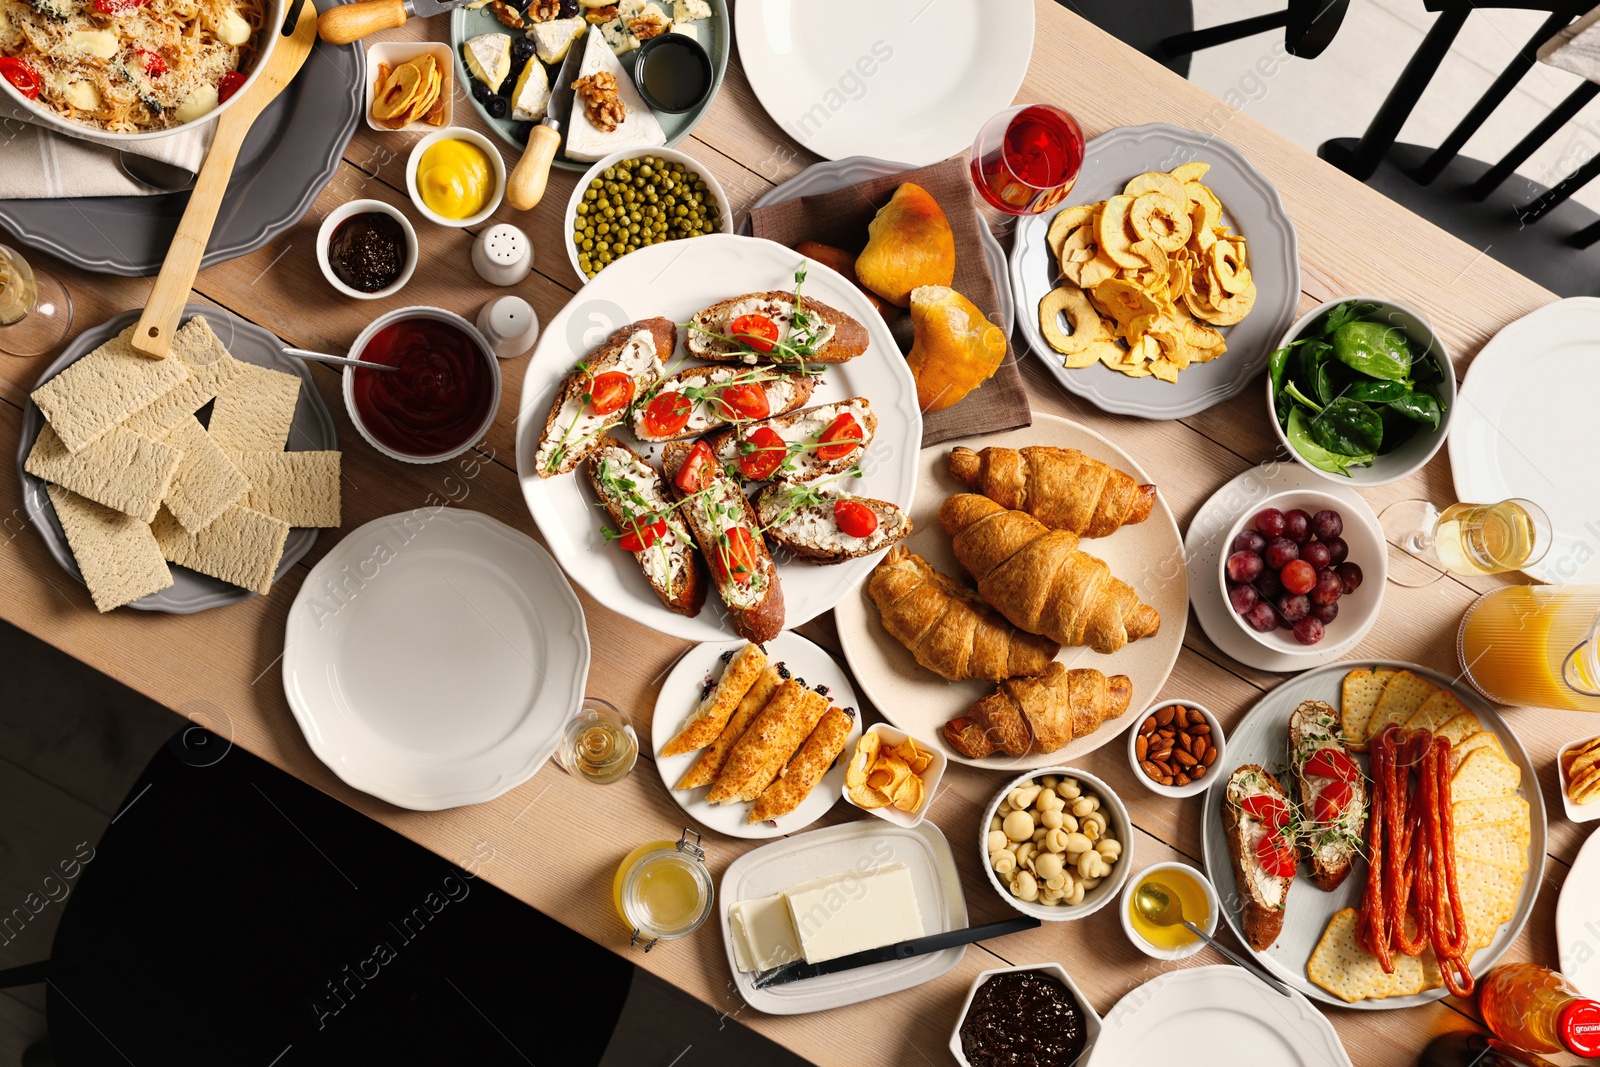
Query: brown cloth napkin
{"type": "Point", "coordinates": [840, 218]}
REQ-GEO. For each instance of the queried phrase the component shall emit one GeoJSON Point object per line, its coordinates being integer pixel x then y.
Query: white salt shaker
{"type": "Point", "coordinates": [502, 255]}
{"type": "Point", "coordinates": [510, 325]}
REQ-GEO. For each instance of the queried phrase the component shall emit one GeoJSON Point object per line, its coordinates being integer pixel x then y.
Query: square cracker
{"type": "Point", "coordinates": [1437, 710]}
{"type": "Point", "coordinates": [1401, 698]}
{"type": "Point", "coordinates": [1358, 696]}
{"type": "Point", "coordinates": [1484, 773]}
{"type": "Point", "coordinates": [1469, 745]}
{"type": "Point", "coordinates": [210, 368]}
{"type": "Point", "coordinates": [254, 410]}
{"type": "Point", "coordinates": [1460, 728]}
{"type": "Point", "coordinates": [1491, 809]}
{"type": "Point", "coordinates": [103, 388]}
{"type": "Point", "coordinates": [123, 470]}
{"type": "Point", "coordinates": [206, 482]}
{"type": "Point", "coordinates": [1503, 844]}
{"type": "Point", "coordinates": [117, 553]}
{"type": "Point", "coordinates": [240, 546]}
{"type": "Point", "coordinates": [1341, 966]}
{"type": "Point", "coordinates": [1488, 896]}
{"type": "Point", "coordinates": [301, 488]}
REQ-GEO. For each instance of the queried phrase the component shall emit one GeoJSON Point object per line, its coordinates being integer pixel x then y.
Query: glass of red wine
{"type": "Point", "coordinates": [1026, 159]}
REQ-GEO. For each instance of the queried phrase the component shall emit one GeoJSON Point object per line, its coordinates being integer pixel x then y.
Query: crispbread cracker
{"type": "Point", "coordinates": [1401, 698]}
{"type": "Point", "coordinates": [1491, 809]}
{"type": "Point", "coordinates": [207, 480]}
{"type": "Point", "coordinates": [1460, 728]}
{"type": "Point", "coordinates": [1484, 773]}
{"type": "Point", "coordinates": [210, 368]}
{"type": "Point", "coordinates": [1470, 744]}
{"type": "Point", "coordinates": [1503, 844]}
{"type": "Point", "coordinates": [1437, 710]}
{"type": "Point", "coordinates": [116, 553]}
{"type": "Point", "coordinates": [103, 388]}
{"type": "Point", "coordinates": [254, 410]}
{"type": "Point", "coordinates": [1358, 696]}
{"type": "Point", "coordinates": [123, 470]}
{"type": "Point", "coordinates": [240, 546]}
{"type": "Point", "coordinates": [301, 488]}
{"type": "Point", "coordinates": [1341, 966]}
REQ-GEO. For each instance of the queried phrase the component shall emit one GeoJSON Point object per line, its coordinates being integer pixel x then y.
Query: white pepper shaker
{"type": "Point", "coordinates": [510, 325]}
{"type": "Point", "coordinates": [502, 255]}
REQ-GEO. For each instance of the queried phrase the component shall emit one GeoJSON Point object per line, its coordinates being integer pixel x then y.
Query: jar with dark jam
{"type": "Point", "coordinates": [1023, 1018]}
{"type": "Point", "coordinates": [368, 251]}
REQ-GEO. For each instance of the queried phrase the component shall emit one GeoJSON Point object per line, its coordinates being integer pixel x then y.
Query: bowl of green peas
{"type": "Point", "coordinates": [638, 197]}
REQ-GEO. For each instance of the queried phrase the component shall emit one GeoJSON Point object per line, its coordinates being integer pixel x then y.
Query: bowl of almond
{"type": "Point", "coordinates": [1174, 750]}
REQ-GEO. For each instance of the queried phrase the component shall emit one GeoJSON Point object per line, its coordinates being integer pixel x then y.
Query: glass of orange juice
{"type": "Point", "coordinates": [1537, 645]}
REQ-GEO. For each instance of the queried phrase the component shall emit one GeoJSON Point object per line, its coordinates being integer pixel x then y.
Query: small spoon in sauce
{"type": "Point", "coordinates": [343, 361]}
{"type": "Point", "coordinates": [1160, 906]}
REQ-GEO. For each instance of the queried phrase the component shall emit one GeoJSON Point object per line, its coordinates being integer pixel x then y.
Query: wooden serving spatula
{"type": "Point", "coordinates": [153, 336]}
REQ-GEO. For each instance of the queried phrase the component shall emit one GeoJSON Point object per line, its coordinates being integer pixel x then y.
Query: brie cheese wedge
{"type": "Point", "coordinates": [551, 40]}
{"type": "Point", "coordinates": [489, 59]}
{"type": "Point", "coordinates": [532, 94]}
{"type": "Point", "coordinates": [639, 129]}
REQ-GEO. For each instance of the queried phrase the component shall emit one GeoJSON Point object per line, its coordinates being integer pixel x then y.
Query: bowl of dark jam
{"type": "Point", "coordinates": [1031, 1015]}
{"type": "Point", "coordinates": [367, 249]}
{"type": "Point", "coordinates": [442, 399]}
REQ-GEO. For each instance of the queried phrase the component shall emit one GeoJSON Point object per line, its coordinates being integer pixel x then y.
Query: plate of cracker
{"type": "Point", "coordinates": [183, 483]}
{"type": "Point", "coordinates": [1395, 741]}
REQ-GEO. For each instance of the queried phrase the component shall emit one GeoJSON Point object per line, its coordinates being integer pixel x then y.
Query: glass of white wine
{"type": "Point", "coordinates": [599, 744]}
{"type": "Point", "coordinates": [35, 308]}
{"type": "Point", "coordinates": [1465, 539]}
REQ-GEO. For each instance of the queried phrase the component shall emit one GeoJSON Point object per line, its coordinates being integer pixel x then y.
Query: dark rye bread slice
{"type": "Point", "coordinates": [800, 387]}
{"type": "Point", "coordinates": [849, 338]}
{"type": "Point", "coordinates": [1330, 850]}
{"type": "Point", "coordinates": [803, 465]}
{"type": "Point", "coordinates": [762, 619]}
{"type": "Point", "coordinates": [1263, 922]}
{"type": "Point", "coordinates": [577, 383]}
{"type": "Point", "coordinates": [797, 521]}
{"type": "Point", "coordinates": [613, 462]}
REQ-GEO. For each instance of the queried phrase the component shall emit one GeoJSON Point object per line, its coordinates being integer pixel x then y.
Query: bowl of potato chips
{"type": "Point", "coordinates": [893, 776]}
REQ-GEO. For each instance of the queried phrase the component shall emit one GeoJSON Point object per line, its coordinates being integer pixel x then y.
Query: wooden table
{"type": "Point", "coordinates": [554, 841]}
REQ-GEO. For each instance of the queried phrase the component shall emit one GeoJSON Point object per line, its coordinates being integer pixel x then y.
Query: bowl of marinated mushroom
{"type": "Point", "coordinates": [1056, 844]}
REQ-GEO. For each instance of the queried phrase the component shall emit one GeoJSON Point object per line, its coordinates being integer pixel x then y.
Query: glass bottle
{"type": "Point", "coordinates": [1537, 1010]}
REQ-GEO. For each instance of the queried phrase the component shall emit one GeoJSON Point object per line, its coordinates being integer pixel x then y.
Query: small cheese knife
{"type": "Point", "coordinates": [525, 185]}
{"type": "Point", "coordinates": [917, 946]}
{"type": "Point", "coordinates": [344, 23]}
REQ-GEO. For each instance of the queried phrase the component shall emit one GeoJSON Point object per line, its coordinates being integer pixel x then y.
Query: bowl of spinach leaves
{"type": "Point", "coordinates": [1362, 391]}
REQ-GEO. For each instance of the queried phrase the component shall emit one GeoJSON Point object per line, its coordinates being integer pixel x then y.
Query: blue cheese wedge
{"type": "Point", "coordinates": [689, 11]}
{"type": "Point", "coordinates": [532, 95]}
{"type": "Point", "coordinates": [644, 20]}
{"type": "Point", "coordinates": [617, 37]}
{"type": "Point", "coordinates": [552, 39]}
{"type": "Point", "coordinates": [489, 59]}
{"type": "Point", "coordinates": [638, 129]}
{"type": "Point", "coordinates": [854, 911]}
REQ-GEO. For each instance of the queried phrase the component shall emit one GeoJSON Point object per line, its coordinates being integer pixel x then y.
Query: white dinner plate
{"type": "Point", "coordinates": [907, 79]}
{"type": "Point", "coordinates": [681, 692]}
{"type": "Point", "coordinates": [1578, 920]}
{"type": "Point", "coordinates": [433, 657]}
{"type": "Point", "coordinates": [854, 846]}
{"type": "Point", "coordinates": [1262, 737]}
{"type": "Point", "coordinates": [1218, 1016]}
{"type": "Point", "coordinates": [1148, 556]}
{"type": "Point", "coordinates": [677, 280]}
{"type": "Point", "coordinates": [1203, 544]}
{"type": "Point", "coordinates": [1524, 428]}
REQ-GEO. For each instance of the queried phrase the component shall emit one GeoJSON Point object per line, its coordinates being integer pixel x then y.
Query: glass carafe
{"type": "Point", "coordinates": [1537, 645]}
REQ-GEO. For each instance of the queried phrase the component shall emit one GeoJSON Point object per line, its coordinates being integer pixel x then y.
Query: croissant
{"type": "Point", "coordinates": [1061, 487]}
{"type": "Point", "coordinates": [947, 628]}
{"type": "Point", "coordinates": [1040, 580]}
{"type": "Point", "coordinates": [1039, 714]}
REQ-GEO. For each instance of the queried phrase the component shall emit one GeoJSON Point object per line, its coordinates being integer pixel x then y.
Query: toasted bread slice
{"type": "Point", "coordinates": [800, 519]}
{"type": "Point", "coordinates": [825, 334]}
{"type": "Point", "coordinates": [1330, 849]}
{"type": "Point", "coordinates": [633, 493]}
{"type": "Point", "coordinates": [801, 432]}
{"type": "Point", "coordinates": [571, 430]}
{"type": "Point", "coordinates": [714, 506]}
{"type": "Point", "coordinates": [1262, 897]}
{"type": "Point", "coordinates": [785, 391]}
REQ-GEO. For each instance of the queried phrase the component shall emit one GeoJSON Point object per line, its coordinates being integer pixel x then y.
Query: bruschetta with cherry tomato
{"type": "Point", "coordinates": [725, 526]}
{"type": "Point", "coordinates": [645, 522]}
{"type": "Point", "coordinates": [821, 524]}
{"type": "Point", "coordinates": [1331, 792]}
{"type": "Point", "coordinates": [777, 326]}
{"type": "Point", "coordinates": [702, 399]}
{"type": "Point", "coordinates": [1259, 827]}
{"type": "Point", "coordinates": [596, 395]}
{"type": "Point", "coordinates": [801, 446]}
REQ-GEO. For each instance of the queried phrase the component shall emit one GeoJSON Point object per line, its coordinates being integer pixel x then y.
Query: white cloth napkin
{"type": "Point", "coordinates": [41, 162]}
{"type": "Point", "coordinates": [1576, 48]}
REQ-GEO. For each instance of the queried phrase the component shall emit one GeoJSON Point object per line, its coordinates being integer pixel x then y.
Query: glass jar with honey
{"type": "Point", "coordinates": [662, 890]}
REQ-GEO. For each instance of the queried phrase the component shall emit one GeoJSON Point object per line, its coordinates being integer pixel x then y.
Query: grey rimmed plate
{"type": "Point", "coordinates": [1251, 206]}
{"type": "Point", "coordinates": [291, 153]}
{"type": "Point", "coordinates": [312, 430]}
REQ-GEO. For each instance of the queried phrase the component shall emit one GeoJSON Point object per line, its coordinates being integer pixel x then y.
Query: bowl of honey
{"type": "Point", "coordinates": [663, 891]}
{"type": "Point", "coordinates": [1168, 884]}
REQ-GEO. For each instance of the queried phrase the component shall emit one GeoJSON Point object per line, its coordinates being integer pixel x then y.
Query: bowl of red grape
{"type": "Point", "coordinates": [1294, 572]}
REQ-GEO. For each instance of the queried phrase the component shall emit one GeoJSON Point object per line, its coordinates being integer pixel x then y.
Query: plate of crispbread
{"type": "Point", "coordinates": [1496, 804]}
{"type": "Point", "coordinates": [220, 459]}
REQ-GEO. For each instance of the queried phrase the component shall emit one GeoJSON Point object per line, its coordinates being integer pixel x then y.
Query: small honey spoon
{"type": "Point", "coordinates": [1160, 906]}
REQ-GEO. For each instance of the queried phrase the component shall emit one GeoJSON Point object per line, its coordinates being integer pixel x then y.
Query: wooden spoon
{"type": "Point", "coordinates": [153, 336]}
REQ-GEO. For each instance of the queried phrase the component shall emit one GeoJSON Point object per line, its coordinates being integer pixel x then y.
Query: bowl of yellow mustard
{"type": "Point", "coordinates": [456, 177]}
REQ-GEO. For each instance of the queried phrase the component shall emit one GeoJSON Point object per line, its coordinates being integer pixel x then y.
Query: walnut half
{"type": "Point", "coordinates": [508, 15]}
{"type": "Point", "coordinates": [605, 108]}
{"type": "Point", "coordinates": [544, 10]}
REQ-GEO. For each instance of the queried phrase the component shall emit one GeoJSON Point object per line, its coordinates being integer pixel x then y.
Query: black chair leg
{"type": "Point", "coordinates": [1182, 44]}
{"type": "Point", "coordinates": [1544, 203]}
{"type": "Point", "coordinates": [1541, 133]}
{"type": "Point", "coordinates": [27, 974]}
{"type": "Point", "coordinates": [1585, 237]}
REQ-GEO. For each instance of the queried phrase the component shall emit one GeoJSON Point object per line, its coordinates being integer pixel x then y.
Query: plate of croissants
{"type": "Point", "coordinates": [1038, 607]}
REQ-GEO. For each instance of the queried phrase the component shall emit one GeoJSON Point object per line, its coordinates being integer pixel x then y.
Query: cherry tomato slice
{"type": "Point", "coordinates": [1331, 802]}
{"type": "Point", "coordinates": [766, 454]}
{"type": "Point", "coordinates": [744, 402]}
{"type": "Point", "coordinates": [1331, 763]}
{"type": "Point", "coordinates": [152, 62]}
{"type": "Point", "coordinates": [1270, 810]}
{"type": "Point", "coordinates": [20, 73]}
{"type": "Point", "coordinates": [610, 392]}
{"type": "Point", "coordinates": [227, 85]}
{"type": "Point", "coordinates": [739, 554]}
{"type": "Point", "coordinates": [1276, 855]}
{"type": "Point", "coordinates": [755, 332]}
{"type": "Point", "coordinates": [855, 518]}
{"type": "Point", "coordinates": [695, 466]}
{"type": "Point", "coordinates": [118, 7]}
{"type": "Point", "coordinates": [642, 535]}
{"type": "Point", "coordinates": [842, 437]}
{"type": "Point", "coordinates": [667, 414]}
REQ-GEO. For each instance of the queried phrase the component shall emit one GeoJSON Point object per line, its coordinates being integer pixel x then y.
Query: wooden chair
{"type": "Point", "coordinates": [1474, 200]}
{"type": "Point", "coordinates": [1164, 29]}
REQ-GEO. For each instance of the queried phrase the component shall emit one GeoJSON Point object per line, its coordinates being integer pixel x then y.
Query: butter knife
{"type": "Point", "coordinates": [918, 946]}
{"type": "Point", "coordinates": [525, 186]}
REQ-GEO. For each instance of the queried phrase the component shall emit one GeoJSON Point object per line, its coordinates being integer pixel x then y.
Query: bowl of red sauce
{"type": "Point", "coordinates": [442, 399]}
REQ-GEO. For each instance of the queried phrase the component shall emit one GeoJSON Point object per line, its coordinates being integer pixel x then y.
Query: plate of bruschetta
{"type": "Point", "coordinates": [718, 438]}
